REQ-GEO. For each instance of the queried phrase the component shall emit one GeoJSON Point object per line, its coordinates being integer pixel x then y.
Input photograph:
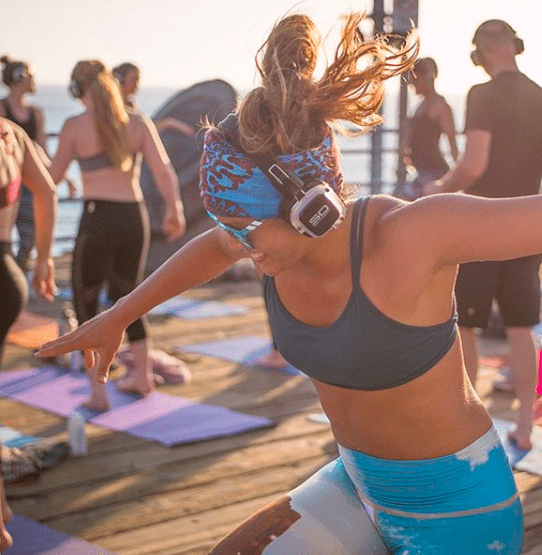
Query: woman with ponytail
{"type": "Point", "coordinates": [113, 238]}
{"type": "Point", "coordinates": [366, 312]}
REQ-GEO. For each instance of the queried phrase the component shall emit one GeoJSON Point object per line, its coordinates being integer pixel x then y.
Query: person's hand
{"type": "Point", "coordinates": [72, 189]}
{"type": "Point", "coordinates": [174, 224]}
{"type": "Point", "coordinates": [431, 188]}
{"type": "Point", "coordinates": [6, 516]}
{"type": "Point", "coordinates": [99, 338]}
{"type": "Point", "coordinates": [43, 280]}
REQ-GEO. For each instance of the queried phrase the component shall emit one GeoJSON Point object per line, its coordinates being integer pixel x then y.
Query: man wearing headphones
{"type": "Point", "coordinates": [502, 158]}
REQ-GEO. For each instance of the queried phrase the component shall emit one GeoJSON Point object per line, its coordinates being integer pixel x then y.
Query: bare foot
{"type": "Point", "coordinates": [273, 359]}
{"type": "Point", "coordinates": [6, 516]}
{"type": "Point", "coordinates": [129, 384]}
{"type": "Point", "coordinates": [96, 402]}
{"type": "Point", "coordinates": [158, 380]}
{"type": "Point", "coordinates": [521, 438]}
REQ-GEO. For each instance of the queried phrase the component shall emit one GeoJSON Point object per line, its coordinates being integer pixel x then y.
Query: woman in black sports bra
{"type": "Point", "coordinates": [113, 238]}
{"type": "Point", "coordinates": [360, 297]}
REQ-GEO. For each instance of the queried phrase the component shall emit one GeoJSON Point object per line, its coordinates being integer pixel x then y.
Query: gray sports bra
{"type": "Point", "coordinates": [98, 162]}
{"type": "Point", "coordinates": [364, 348]}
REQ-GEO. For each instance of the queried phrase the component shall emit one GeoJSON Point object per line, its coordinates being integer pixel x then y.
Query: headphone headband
{"type": "Point", "coordinates": [505, 28]}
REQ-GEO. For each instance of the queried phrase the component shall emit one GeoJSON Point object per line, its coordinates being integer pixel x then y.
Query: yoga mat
{"type": "Point", "coordinates": [163, 418]}
{"type": "Point", "coordinates": [244, 350]}
{"type": "Point", "coordinates": [193, 309]}
{"type": "Point", "coordinates": [528, 461]}
{"type": "Point", "coordinates": [32, 538]}
{"type": "Point", "coordinates": [31, 330]}
{"type": "Point", "coordinates": [12, 438]}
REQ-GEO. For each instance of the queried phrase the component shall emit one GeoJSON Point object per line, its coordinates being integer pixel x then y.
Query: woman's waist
{"type": "Point", "coordinates": [396, 432]}
{"type": "Point", "coordinates": [435, 414]}
{"type": "Point", "coordinates": [476, 476]}
{"type": "Point", "coordinates": [122, 189]}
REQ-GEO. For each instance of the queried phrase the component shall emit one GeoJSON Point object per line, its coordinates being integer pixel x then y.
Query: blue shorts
{"type": "Point", "coordinates": [452, 505]}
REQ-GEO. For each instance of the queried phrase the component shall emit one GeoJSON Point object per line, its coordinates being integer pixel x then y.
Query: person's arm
{"type": "Point", "coordinates": [454, 229]}
{"type": "Point", "coordinates": [201, 259]}
{"type": "Point", "coordinates": [38, 180]}
{"type": "Point", "coordinates": [64, 154]}
{"type": "Point", "coordinates": [478, 130]}
{"type": "Point", "coordinates": [174, 224]}
{"type": "Point", "coordinates": [470, 166]}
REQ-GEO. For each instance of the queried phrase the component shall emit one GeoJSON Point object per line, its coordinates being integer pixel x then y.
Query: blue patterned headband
{"type": "Point", "coordinates": [231, 184]}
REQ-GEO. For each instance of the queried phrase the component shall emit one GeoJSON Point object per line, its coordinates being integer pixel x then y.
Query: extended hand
{"type": "Point", "coordinates": [99, 338]}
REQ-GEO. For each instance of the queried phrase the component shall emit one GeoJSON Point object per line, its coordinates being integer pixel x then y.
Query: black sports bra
{"type": "Point", "coordinates": [363, 349]}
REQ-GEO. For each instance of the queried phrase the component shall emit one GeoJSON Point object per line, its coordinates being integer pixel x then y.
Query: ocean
{"type": "Point", "coordinates": [58, 105]}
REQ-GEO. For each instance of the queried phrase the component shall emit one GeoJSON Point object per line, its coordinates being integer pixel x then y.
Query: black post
{"type": "Point", "coordinates": [376, 137]}
{"type": "Point", "coordinates": [405, 14]}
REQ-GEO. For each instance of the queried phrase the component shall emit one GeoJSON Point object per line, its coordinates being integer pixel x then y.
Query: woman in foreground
{"type": "Point", "coordinates": [19, 162]}
{"type": "Point", "coordinates": [113, 237]}
{"type": "Point", "coordinates": [362, 308]}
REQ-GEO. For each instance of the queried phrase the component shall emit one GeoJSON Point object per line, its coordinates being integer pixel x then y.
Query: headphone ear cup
{"type": "Point", "coordinates": [119, 77]}
{"type": "Point", "coordinates": [520, 45]}
{"type": "Point", "coordinates": [75, 89]}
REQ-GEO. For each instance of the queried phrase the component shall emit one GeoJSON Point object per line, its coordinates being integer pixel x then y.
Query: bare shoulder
{"type": "Point", "coordinates": [138, 120]}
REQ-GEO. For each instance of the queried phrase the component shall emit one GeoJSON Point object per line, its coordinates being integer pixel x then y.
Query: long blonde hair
{"type": "Point", "coordinates": [288, 111]}
{"type": "Point", "coordinates": [110, 113]}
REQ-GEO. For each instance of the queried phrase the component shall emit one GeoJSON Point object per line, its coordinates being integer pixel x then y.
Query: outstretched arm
{"type": "Point", "coordinates": [454, 229]}
{"type": "Point", "coordinates": [203, 258]}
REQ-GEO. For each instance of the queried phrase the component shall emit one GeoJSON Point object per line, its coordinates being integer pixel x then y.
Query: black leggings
{"type": "Point", "coordinates": [13, 291]}
{"type": "Point", "coordinates": [25, 227]}
{"type": "Point", "coordinates": [111, 247]}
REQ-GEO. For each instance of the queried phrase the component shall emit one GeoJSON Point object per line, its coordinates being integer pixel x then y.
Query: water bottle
{"type": "Point", "coordinates": [77, 435]}
{"type": "Point", "coordinates": [66, 323]}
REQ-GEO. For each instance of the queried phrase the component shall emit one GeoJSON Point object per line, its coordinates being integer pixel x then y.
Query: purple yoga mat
{"type": "Point", "coordinates": [32, 538]}
{"type": "Point", "coordinates": [244, 350]}
{"type": "Point", "coordinates": [164, 418]}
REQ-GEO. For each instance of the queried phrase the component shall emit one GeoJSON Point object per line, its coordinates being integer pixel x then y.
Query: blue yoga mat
{"type": "Point", "coordinates": [244, 350]}
{"type": "Point", "coordinates": [32, 538]}
{"type": "Point", "coordinates": [167, 419]}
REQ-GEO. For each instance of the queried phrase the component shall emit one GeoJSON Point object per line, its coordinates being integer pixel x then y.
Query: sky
{"type": "Point", "coordinates": [180, 42]}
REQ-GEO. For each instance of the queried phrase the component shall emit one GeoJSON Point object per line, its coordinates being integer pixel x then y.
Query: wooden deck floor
{"type": "Point", "coordinates": [136, 497]}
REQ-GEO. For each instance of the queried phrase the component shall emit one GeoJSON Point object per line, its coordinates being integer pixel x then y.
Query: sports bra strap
{"type": "Point", "coordinates": [356, 238]}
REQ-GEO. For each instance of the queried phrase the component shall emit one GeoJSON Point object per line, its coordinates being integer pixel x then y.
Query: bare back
{"type": "Point", "coordinates": [400, 282]}
{"type": "Point", "coordinates": [79, 140]}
